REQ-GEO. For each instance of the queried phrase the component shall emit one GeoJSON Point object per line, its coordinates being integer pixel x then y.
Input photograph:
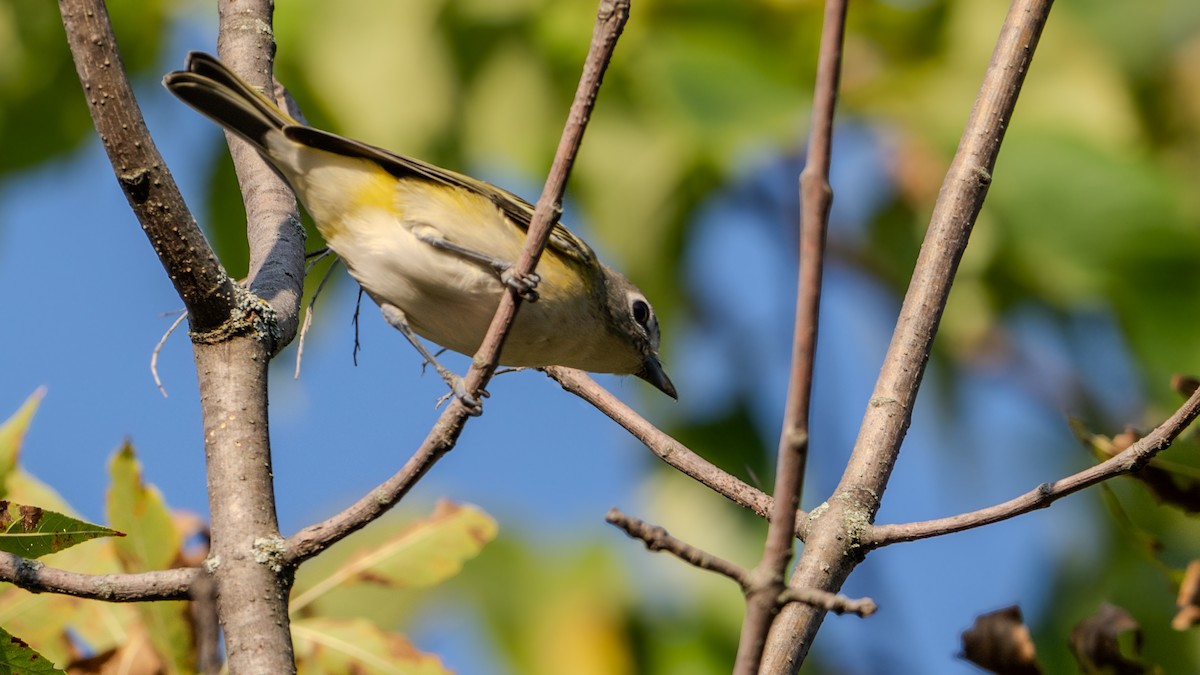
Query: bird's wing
{"type": "Point", "coordinates": [562, 240]}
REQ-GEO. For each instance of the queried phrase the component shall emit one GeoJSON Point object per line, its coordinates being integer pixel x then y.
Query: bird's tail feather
{"type": "Point", "coordinates": [211, 88]}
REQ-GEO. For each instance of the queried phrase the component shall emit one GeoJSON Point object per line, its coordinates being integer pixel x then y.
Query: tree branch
{"type": "Point", "coordinates": [668, 449]}
{"type": "Point", "coordinates": [273, 229]}
{"type": "Point", "coordinates": [762, 602]}
{"type": "Point", "coordinates": [214, 302]}
{"type": "Point", "coordinates": [832, 548]}
{"type": "Point", "coordinates": [1129, 460]}
{"type": "Point", "coordinates": [233, 333]}
{"type": "Point", "coordinates": [442, 437]}
{"type": "Point", "coordinates": [252, 584]}
{"type": "Point", "coordinates": [245, 559]}
{"type": "Point", "coordinates": [658, 539]}
{"type": "Point", "coordinates": [610, 22]}
{"type": "Point", "coordinates": [830, 602]}
{"type": "Point", "coordinates": [36, 577]}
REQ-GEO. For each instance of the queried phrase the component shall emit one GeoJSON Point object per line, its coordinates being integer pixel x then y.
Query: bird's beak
{"type": "Point", "coordinates": [652, 372]}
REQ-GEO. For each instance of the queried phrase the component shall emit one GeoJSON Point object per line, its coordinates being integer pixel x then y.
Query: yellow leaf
{"type": "Point", "coordinates": [357, 646]}
{"type": "Point", "coordinates": [12, 432]}
{"type": "Point", "coordinates": [425, 553]}
{"type": "Point", "coordinates": [153, 544]}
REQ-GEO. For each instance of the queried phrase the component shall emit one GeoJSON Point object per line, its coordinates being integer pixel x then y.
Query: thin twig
{"type": "Point", "coordinates": [162, 342]}
{"type": "Point", "coordinates": [658, 539]}
{"type": "Point", "coordinates": [312, 302]}
{"type": "Point", "coordinates": [442, 437]}
{"type": "Point", "coordinates": [836, 603]}
{"type": "Point", "coordinates": [36, 577]}
{"type": "Point", "coordinates": [1129, 460]}
{"type": "Point", "coordinates": [610, 22]}
{"type": "Point", "coordinates": [815, 199]}
{"type": "Point", "coordinates": [668, 449]}
{"type": "Point", "coordinates": [832, 547]}
{"type": "Point", "coordinates": [357, 313]}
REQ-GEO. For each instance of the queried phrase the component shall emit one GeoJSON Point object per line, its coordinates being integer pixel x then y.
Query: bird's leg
{"type": "Point", "coordinates": [525, 286]}
{"type": "Point", "coordinates": [395, 316]}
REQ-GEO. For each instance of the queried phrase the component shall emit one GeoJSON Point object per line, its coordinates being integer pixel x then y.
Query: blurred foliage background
{"type": "Point", "coordinates": [1078, 296]}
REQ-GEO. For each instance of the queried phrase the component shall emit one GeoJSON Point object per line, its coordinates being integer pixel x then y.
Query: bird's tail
{"type": "Point", "coordinates": [210, 87]}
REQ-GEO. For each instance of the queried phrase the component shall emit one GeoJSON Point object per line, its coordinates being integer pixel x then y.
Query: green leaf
{"type": "Point", "coordinates": [18, 658]}
{"type": "Point", "coordinates": [722, 83]}
{"type": "Point", "coordinates": [357, 646]}
{"type": "Point", "coordinates": [153, 544]}
{"type": "Point", "coordinates": [44, 619]}
{"type": "Point", "coordinates": [382, 40]}
{"type": "Point", "coordinates": [38, 85]}
{"type": "Point", "coordinates": [509, 106]}
{"type": "Point", "coordinates": [32, 532]}
{"type": "Point", "coordinates": [425, 553]}
{"type": "Point", "coordinates": [12, 432]}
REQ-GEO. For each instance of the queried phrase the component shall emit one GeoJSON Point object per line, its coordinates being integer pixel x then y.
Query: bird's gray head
{"type": "Point", "coordinates": [633, 319]}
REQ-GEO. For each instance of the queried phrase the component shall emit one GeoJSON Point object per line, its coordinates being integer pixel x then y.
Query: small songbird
{"type": "Point", "coordinates": [435, 249]}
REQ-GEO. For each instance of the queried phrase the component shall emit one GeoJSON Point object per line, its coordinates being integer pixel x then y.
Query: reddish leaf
{"type": "Point", "coordinates": [1097, 643]}
{"type": "Point", "coordinates": [1000, 643]}
{"type": "Point", "coordinates": [1185, 385]}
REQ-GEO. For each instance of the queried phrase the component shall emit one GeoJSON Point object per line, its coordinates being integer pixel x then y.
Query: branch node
{"type": "Point", "coordinates": [270, 551]}
{"type": "Point", "coordinates": [136, 185]}
{"type": "Point", "coordinates": [883, 402]}
{"type": "Point", "coordinates": [798, 439]}
{"type": "Point", "coordinates": [251, 314]}
{"type": "Point", "coordinates": [26, 570]}
{"type": "Point", "coordinates": [1045, 490]}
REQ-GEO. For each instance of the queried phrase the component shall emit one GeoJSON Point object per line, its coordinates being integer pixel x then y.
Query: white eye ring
{"type": "Point", "coordinates": [641, 312]}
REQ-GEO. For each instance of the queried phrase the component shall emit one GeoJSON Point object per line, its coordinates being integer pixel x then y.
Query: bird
{"type": "Point", "coordinates": [435, 249]}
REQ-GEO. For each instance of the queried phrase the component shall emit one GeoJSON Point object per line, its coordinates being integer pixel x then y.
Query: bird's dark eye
{"type": "Point", "coordinates": [641, 312]}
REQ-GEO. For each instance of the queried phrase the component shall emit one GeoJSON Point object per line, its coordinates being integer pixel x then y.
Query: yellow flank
{"type": "Point", "coordinates": [568, 282]}
{"type": "Point", "coordinates": [378, 190]}
{"type": "Point", "coordinates": [336, 188]}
